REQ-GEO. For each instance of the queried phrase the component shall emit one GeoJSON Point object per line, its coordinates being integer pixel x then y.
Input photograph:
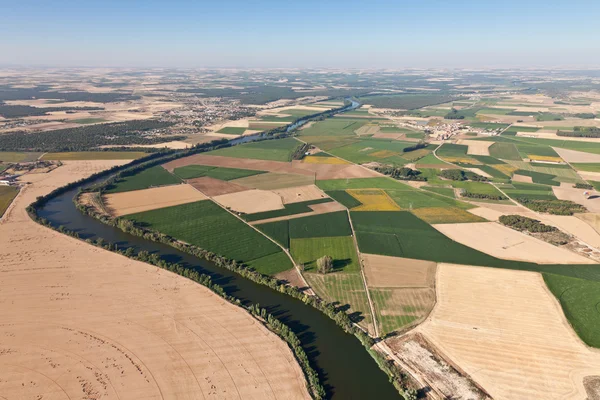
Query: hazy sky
{"type": "Point", "coordinates": [308, 33]}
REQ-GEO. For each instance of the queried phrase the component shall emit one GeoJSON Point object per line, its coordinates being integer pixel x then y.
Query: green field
{"type": "Point", "coordinates": [505, 151]}
{"type": "Point", "coordinates": [222, 173]}
{"type": "Point", "coordinates": [587, 167]}
{"type": "Point", "coordinates": [539, 177]}
{"type": "Point", "coordinates": [7, 194]}
{"type": "Point", "coordinates": [413, 199]}
{"type": "Point", "coordinates": [307, 251]}
{"type": "Point", "coordinates": [440, 190]}
{"type": "Point", "coordinates": [95, 155]}
{"type": "Point", "coordinates": [390, 316]}
{"type": "Point", "coordinates": [362, 183]}
{"type": "Point", "coordinates": [488, 125]}
{"type": "Point", "coordinates": [579, 299]}
{"type": "Point", "coordinates": [452, 150]}
{"type": "Point", "coordinates": [344, 198]}
{"type": "Point", "coordinates": [272, 150]}
{"type": "Point", "coordinates": [343, 289]}
{"type": "Point", "coordinates": [279, 231]}
{"type": "Point", "coordinates": [86, 121]}
{"type": "Point", "coordinates": [151, 177]}
{"type": "Point", "coordinates": [529, 191]}
{"type": "Point", "coordinates": [320, 225]}
{"type": "Point", "coordinates": [334, 127]}
{"type": "Point", "coordinates": [230, 130]}
{"type": "Point", "coordinates": [289, 209]}
{"type": "Point", "coordinates": [271, 264]}
{"type": "Point", "coordinates": [16, 156]}
{"type": "Point", "coordinates": [526, 150]}
{"type": "Point", "coordinates": [210, 227]}
{"type": "Point", "coordinates": [381, 150]}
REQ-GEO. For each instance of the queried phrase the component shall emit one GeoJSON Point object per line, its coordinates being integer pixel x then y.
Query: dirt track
{"type": "Point", "coordinates": [508, 332]}
{"type": "Point", "coordinates": [81, 322]}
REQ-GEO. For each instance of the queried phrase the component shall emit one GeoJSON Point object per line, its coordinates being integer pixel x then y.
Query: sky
{"type": "Point", "coordinates": [301, 34]}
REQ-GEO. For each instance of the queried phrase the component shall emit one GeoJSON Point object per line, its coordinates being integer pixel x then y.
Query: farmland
{"type": "Point", "coordinates": [7, 194]}
{"type": "Point", "coordinates": [224, 174]}
{"type": "Point", "coordinates": [208, 226]}
{"type": "Point", "coordinates": [94, 155]}
{"type": "Point", "coordinates": [273, 150]}
{"type": "Point", "coordinates": [306, 251]}
{"type": "Point", "coordinates": [151, 177]}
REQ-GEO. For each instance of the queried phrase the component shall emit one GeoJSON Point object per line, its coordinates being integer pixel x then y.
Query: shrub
{"type": "Point", "coordinates": [325, 264]}
{"type": "Point", "coordinates": [403, 174]}
{"type": "Point", "coordinates": [556, 207]}
{"type": "Point", "coordinates": [482, 196]}
{"type": "Point", "coordinates": [460, 175]}
{"type": "Point", "coordinates": [525, 224]}
{"type": "Point", "coordinates": [583, 186]}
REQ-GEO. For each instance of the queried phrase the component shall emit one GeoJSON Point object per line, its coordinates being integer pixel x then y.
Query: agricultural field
{"type": "Point", "coordinates": [273, 150]}
{"type": "Point", "coordinates": [306, 251]}
{"type": "Point", "coordinates": [15, 157]}
{"type": "Point", "coordinates": [224, 174]}
{"type": "Point", "coordinates": [147, 178]}
{"type": "Point", "coordinates": [232, 130]}
{"type": "Point", "coordinates": [94, 155]}
{"type": "Point", "coordinates": [208, 226]}
{"type": "Point", "coordinates": [7, 194]}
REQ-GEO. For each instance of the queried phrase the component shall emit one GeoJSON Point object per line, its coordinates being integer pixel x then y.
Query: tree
{"type": "Point", "coordinates": [325, 264]}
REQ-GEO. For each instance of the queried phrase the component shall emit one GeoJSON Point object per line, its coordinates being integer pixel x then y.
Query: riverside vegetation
{"type": "Point", "coordinates": [338, 315]}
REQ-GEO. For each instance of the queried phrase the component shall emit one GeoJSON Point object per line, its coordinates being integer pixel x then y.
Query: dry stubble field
{"type": "Point", "coordinates": [81, 322]}
{"type": "Point", "coordinates": [508, 332]}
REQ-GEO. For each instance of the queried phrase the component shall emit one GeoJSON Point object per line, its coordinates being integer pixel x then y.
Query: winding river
{"type": "Point", "coordinates": [346, 369]}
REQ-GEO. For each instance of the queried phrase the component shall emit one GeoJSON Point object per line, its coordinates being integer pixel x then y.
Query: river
{"type": "Point", "coordinates": [346, 369]}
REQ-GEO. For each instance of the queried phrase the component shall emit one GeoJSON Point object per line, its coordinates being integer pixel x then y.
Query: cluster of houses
{"type": "Point", "coordinates": [8, 180]}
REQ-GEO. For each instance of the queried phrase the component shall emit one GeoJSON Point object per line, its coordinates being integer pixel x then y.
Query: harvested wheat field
{"type": "Point", "coordinates": [332, 171]}
{"type": "Point", "coordinates": [574, 156]}
{"type": "Point", "coordinates": [299, 193]}
{"type": "Point", "coordinates": [250, 201]}
{"type": "Point", "coordinates": [215, 187]}
{"type": "Point", "coordinates": [522, 178]}
{"type": "Point", "coordinates": [568, 192]}
{"type": "Point", "coordinates": [274, 181]}
{"type": "Point", "coordinates": [506, 243]}
{"type": "Point", "coordinates": [385, 271]}
{"type": "Point", "coordinates": [81, 322]}
{"type": "Point", "coordinates": [124, 203]}
{"type": "Point", "coordinates": [477, 147]}
{"type": "Point", "coordinates": [507, 331]}
{"type": "Point", "coordinates": [373, 200]}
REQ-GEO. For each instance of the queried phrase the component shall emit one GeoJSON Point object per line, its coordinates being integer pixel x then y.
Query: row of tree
{"type": "Point", "coordinates": [521, 223]}
{"type": "Point", "coordinates": [402, 173]}
{"type": "Point", "coordinates": [462, 175]}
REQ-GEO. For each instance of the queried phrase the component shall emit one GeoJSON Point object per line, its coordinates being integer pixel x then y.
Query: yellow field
{"type": "Point", "coordinates": [324, 160]}
{"type": "Point", "coordinates": [465, 160]}
{"type": "Point", "coordinates": [373, 200]}
{"type": "Point", "coordinates": [445, 215]}
{"type": "Point", "coordinates": [383, 154]}
{"type": "Point", "coordinates": [544, 158]}
{"type": "Point", "coordinates": [506, 169]}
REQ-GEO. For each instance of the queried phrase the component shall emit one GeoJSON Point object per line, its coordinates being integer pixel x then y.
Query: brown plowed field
{"type": "Point", "coordinates": [322, 208]}
{"type": "Point", "coordinates": [81, 322]}
{"type": "Point", "coordinates": [149, 199]}
{"type": "Point", "coordinates": [507, 331]}
{"type": "Point", "coordinates": [215, 187]}
{"type": "Point", "coordinates": [332, 171]}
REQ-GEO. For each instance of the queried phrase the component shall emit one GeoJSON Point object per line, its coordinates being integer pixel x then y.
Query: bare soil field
{"type": "Point", "coordinates": [503, 242]}
{"type": "Point", "coordinates": [591, 219]}
{"type": "Point", "coordinates": [274, 181]}
{"type": "Point", "coordinates": [522, 178]}
{"type": "Point", "coordinates": [299, 193]}
{"type": "Point", "coordinates": [292, 277]}
{"type": "Point", "coordinates": [332, 171]}
{"type": "Point", "coordinates": [445, 380]}
{"type": "Point", "coordinates": [81, 322]}
{"type": "Point", "coordinates": [574, 156]}
{"type": "Point", "coordinates": [568, 192]}
{"type": "Point", "coordinates": [214, 187]}
{"type": "Point", "coordinates": [385, 271]}
{"type": "Point", "coordinates": [150, 199]}
{"type": "Point", "coordinates": [250, 201]}
{"type": "Point", "coordinates": [507, 331]}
